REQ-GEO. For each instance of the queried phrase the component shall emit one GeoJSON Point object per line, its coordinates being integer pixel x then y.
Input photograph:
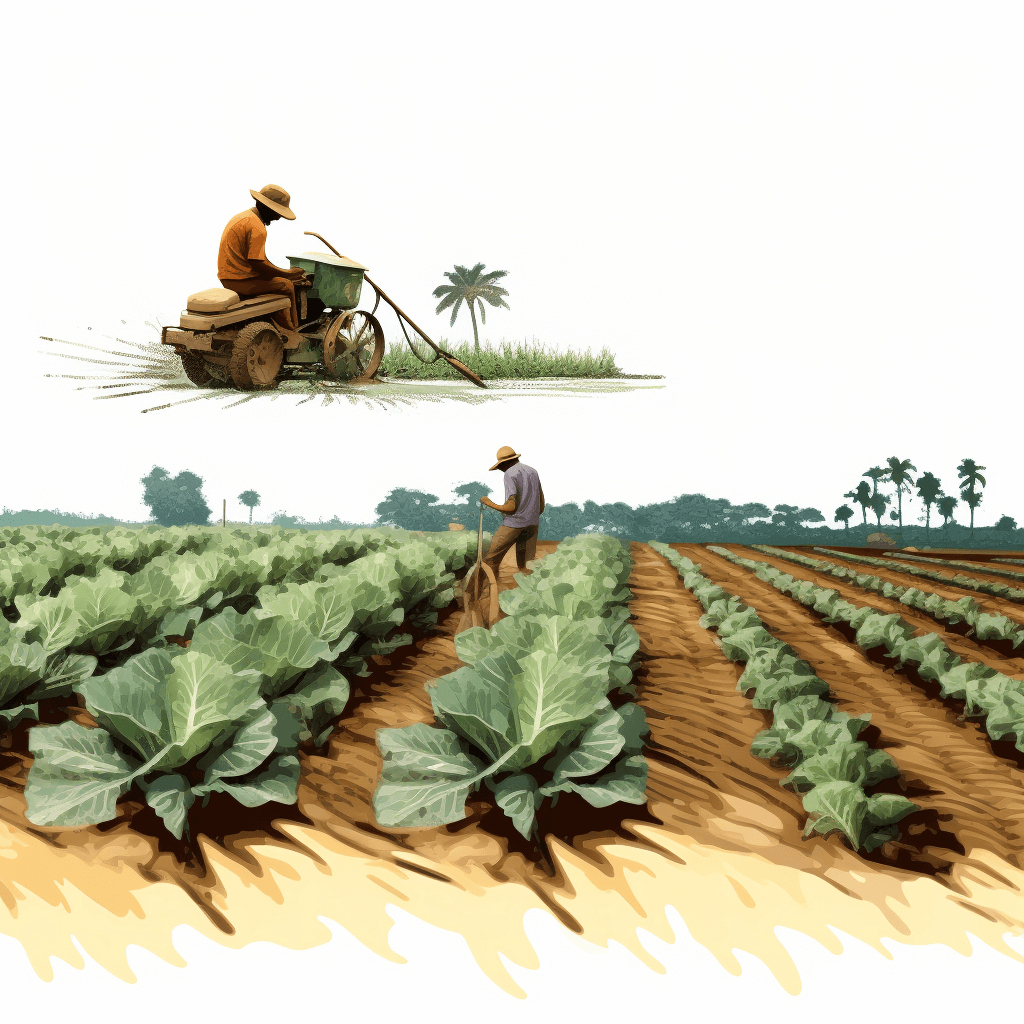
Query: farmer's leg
{"type": "Point", "coordinates": [504, 537]}
{"type": "Point", "coordinates": [526, 546]}
{"type": "Point", "coordinates": [269, 286]}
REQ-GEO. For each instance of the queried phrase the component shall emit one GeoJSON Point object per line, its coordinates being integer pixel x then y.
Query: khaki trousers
{"type": "Point", "coordinates": [524, 538]}
{"type": "Point", "coordinates": [269, 286]}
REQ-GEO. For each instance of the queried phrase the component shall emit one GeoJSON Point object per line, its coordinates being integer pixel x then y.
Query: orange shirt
{"type": "Point", "coordinates": [244, 239]}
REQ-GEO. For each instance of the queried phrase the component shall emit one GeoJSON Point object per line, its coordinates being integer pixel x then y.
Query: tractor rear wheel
{"type": "Point", "coordinates": [256, 357]}
{"type": "Point", "coordinates": [198, 372]}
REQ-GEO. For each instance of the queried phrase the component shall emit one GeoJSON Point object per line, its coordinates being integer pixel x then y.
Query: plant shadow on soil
{"type": "Point", "coordinates": [923, 828]}
{"type": "Point", "coordinates": [233, 827]}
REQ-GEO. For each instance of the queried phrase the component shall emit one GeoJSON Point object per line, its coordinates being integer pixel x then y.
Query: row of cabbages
{"type": "Point", "coordinates": [993, 587]}
{"type": "Point", "coordinates": [269, 636]}
{"type": "Point", "coordinates": [982, 625]}
{"type": "Point", "coordinates": [986, 693]}
{"type": "Point", "coordinates": [829, 767]}
{"type": "Point", "coordinates": [53, 640]}
{"type": "Point", "coordinates": [529, 715]}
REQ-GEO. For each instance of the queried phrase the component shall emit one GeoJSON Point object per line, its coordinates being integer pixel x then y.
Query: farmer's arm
{"type": "Point", "coordinates": [267, 269]}
{"type": "Point", "coordinates": [509, 506]}
{"type": "Point", "coordinates": [542, 502]}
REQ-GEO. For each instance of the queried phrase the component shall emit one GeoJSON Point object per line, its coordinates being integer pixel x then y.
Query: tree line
{"type": "Point", "coordinates": [695, 518]}
{"type": "Point", "coordinates": [899, 473]}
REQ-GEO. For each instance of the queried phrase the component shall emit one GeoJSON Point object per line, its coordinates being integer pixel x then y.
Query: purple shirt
{"type": "Point", "coordinates": [524, 482]}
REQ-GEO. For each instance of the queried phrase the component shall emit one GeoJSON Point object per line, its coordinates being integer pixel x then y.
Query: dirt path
{"type": "Point", "coordinates": [947, 763]}
{"type": "Point", "coordinates": [701, 725]}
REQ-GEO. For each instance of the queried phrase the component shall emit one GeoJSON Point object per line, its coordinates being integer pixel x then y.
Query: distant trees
{"type": "Point", "coordinates": [175, 501]}
{"type": "Point", "coordinates": [250, 498]}
{"type": "Point", "coordinates": [970, 474]}
{"type": "Point", "coordinates": [1006, 523]}
{"type": "Point", "coordinates": [929, 490]}
{"type": "Point", "coordinates": [843, 515]}
{"type": "Point", "coordinates": [790, 516]}
{"type": "Point", "coordinates": [411, 510]}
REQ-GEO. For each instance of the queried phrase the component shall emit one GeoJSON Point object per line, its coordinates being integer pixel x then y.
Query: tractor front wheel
{"type": "Point", "coordinates": [256, 357]}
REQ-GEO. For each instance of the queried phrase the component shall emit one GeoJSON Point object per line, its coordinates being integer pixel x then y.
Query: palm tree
{"type": "Point", "coordinates": [971, 473]}
{"type": "Point", "coordinates": [945, 505]}
{"type": "Point", "coordinates": [878, 505]}
{"type": "Point", "coordinates": [875, 474]}
{"type": "Point", "coordinates": [862, 496]}
{"type": "Point", "coordinates": [899, 474]}
{"type": "Point", "coordinates": [843, 514]}
{"type": "Point", "coordinates": [250, 498]}
{"type": "Point", "coordinates": [928, 490]}
{"type": "Point", "coordinates": [472, 287]}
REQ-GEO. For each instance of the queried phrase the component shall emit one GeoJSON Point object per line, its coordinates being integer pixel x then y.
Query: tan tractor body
{"type": "Point", "coordinates": [225, 340]}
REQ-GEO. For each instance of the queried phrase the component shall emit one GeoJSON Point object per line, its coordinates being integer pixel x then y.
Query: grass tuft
{"type": "Point", "coordinates": [504, 361]}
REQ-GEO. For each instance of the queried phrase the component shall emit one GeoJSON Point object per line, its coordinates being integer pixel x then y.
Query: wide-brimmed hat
{"type": "Point", "coordinates": [276, 198]}
{"type": "Point", "coordinates": [504, 454]}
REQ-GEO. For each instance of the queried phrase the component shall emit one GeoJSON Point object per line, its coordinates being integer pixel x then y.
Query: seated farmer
{"type": "Point", "coordinates": [524, 503]}
{"type": "Point", "coordinates": [242, 263]}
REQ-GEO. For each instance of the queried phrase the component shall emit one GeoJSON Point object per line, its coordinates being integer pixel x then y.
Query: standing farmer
{"type": "Point", "coordinates": [524, 503]}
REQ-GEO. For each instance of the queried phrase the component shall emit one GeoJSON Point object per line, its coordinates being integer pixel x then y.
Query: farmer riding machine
{"type": "Point", "coordinates": [225, 340]}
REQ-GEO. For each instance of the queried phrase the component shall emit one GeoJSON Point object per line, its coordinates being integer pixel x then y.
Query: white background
{"type": "Point", "coordinates": [807, 215]}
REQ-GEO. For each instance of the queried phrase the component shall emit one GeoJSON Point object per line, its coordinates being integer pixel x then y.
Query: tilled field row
{"type": "Point", "coordinates": [947, 763]}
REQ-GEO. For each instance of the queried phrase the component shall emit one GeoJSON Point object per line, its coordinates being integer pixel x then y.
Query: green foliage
{"type": "Point", "coordinates": [985, 692]}
{"type": "Point", "coordinates": [175, 501]}
{"type": "Point", "coordinates": [229, 715]}
{"type": "Point", "coordinates": [900, 564]}
{"type": "Point", "coordinates": [528, 714]}
{"type": "Point", "coordinates": [506, 360]}
{"type": "Point", "coordinates": [984, 625]}
{"type": "Point", "coordinates": [473, 287]}
{"type": "Point", "coordinates": [250, 499]}
{"type": "Point", "coordinates": [830, 767]}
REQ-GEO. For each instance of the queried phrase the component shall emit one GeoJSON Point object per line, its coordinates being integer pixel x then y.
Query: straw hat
{"type": "Point", "coordinates": [276, 198]}
{"type": "Point", "coordinates": [504, 454]}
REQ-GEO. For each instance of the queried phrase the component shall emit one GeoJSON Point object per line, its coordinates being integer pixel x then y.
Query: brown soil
{"type": "Point", "coordinates": [720, 840]}
{"type": "Point", "coordinates": [990, 603]}
{"type": "Point", "coordinates": [947, 763]}
{"type": "Point", "coordinates": [995, 653]}
{"type": "Point", "coordinates": [977, 572]}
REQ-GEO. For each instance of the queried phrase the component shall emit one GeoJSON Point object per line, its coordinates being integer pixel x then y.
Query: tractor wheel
{"type": "Point", "coordinates": [353, 346]}
{"type": "Point", "coordinates": [198, 372]}
{"type": "Point", "coordinates": [256, 357]}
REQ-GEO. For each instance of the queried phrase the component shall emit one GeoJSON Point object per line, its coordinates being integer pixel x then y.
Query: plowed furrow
{"type": "Point", "coordinates": [965, 647]}
{"type": "Point", "coordinates": [978, 795]}
{"type": "Point", "coordinates": [701, 726]}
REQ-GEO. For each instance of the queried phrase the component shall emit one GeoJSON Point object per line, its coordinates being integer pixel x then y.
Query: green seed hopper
{"type": "Point", "coordinates": [337, 281]}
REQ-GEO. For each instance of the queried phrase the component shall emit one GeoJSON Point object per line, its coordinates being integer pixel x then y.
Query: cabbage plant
{"type": "Point", "coordinates": [180, 725]}
{"type": "Point", "coordinates": [29, 674]}
{"type": "Point", "coordinates": [529, 717]}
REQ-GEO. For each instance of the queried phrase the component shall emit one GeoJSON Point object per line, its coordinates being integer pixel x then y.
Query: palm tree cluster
{"type": "Point", "coordinates": [898, 472]}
